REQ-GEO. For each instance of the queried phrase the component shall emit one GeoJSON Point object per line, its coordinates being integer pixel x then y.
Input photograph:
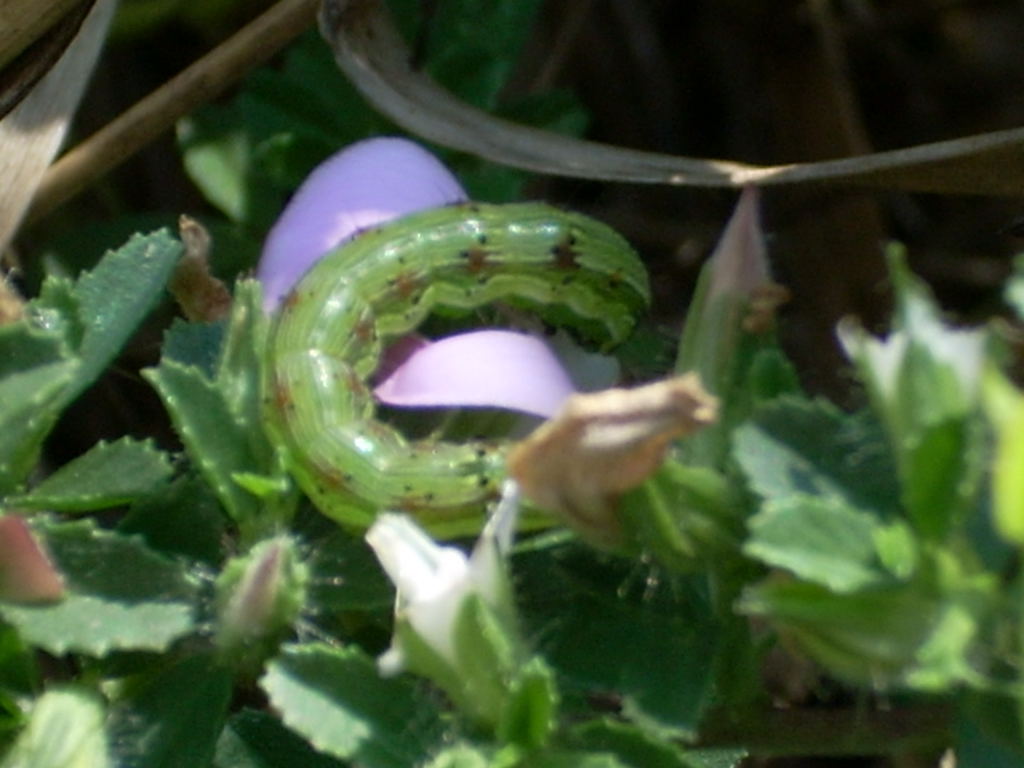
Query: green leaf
{"type": "Point", "coordinates": [924, 381]}
{"type": "Point", "coordinates": [990, 730]}
{"type": "Point", "coordinates": [629, 744]}
{"type": "Point", "coordinates": [220, 420]}
{"type": "Point", "coordinates": [653, 646]}
{"type": "Point", "coordinates": [530, 710]}
{"type": "Point", "coordinates": [30, 403]}
{"type": "Point", "coordinates": [240, 371]}
{"type": "Point", "coordinates": [942, 468]}
{"type": "Point", "coordinates": [795, 446]}
{"type": "Point", "coordinates": [1014, 290]}
{"type": "Point", "coordinates": [711, 757]}
{"type": "Point", "coordinates": [35, 370]}
{"type": "Point", "coordinates": [485, 652]}
{"type": "Point", "coordinates": [216, 442]}
{"type": "Point", "coordinates": [65, 730]}
{"type": "Point", "coordinates": [336, 699]}
{"type": "Point", "coordinates": [1004, 404]}
{"type": "Point", "coordinates": [58, 310]}
{"type": "Point", "coordinates": [217, 157]}
{"type": "Point", "coordinates": [117, 295]}
{"type": "Point", "coordinates": [464, 756]}
{"type": "Point", "coordinates": [71, 333]}
{"type": "Point", "coordinates": [565, 758]}
{"type": "Point", "coordinates": [173, 716]}
{"type": "Point", "coordinates": [120, 595]}
{"type": "Point", "coordinates": [345, 575]}
{"type": "Point", "coordinates": [108, 475]}
{"type": "Point", "coordinates": [872, 636]}
{"type": "Point", "coordinates": [25, 345]}
{"type": "Point", "coordinates": [472, 45]}
{"type": "Point", "coordinates": [257, 740]}
{"type": "Point", "coordinates": [819, 539]}
{"type": "Point", "coordinates": [683, 517]}
{"type": "Point", "coordinates": [184, 519]}
{"type": "Point", "coordinates": [197, 344]}
{"type": "Point", "coordinates": [19, 673]}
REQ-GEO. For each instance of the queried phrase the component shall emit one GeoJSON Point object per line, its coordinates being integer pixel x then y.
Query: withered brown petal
{"type": "Point", "coordinates": [577, 464]}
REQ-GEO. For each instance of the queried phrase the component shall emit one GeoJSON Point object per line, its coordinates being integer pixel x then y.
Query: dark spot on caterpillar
{"type": "Point", "coordinates": [567, 279]}
{"type": "Point", "coordinates": [290, 301]}
{"type": "Point", "coordinates": [565, 253]}
{"type": "Point", "coordinates": [365, 330]}
{"type": "Point", "coordinates": [355, 384]}
{"type": "Point", "coordinates": [407, 488]}
{"type": "Point", "coordinates": [483, 481]}
{"type": "Point", "coordinates": [404, 285]}
{"type": "Point", "coordinates": [429, 497]}
{"type": "Point", "coordinates": [475, 258]}
{"type": "Point", "coordinates": [334, 479]}
{"type": "Point", "coordinates": [482, 238]}
{"type": "Point", "coordinates": [481, 453]}
{"type": "Point", "coordinates": [282, 397]}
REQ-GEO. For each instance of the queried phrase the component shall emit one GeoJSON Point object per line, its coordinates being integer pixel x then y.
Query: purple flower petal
{"type": "Point", "coordinates": [367, 183]}
{"type": "Point", "coordinates": [498, 369]}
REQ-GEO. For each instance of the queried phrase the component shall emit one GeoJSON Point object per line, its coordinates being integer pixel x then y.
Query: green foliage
{"type": "Point", "coordinates": [67, 338]}
{"type": "Point", "coordinates": [65, 730]}
{"type": "Point", "coordinates": [218, 418]}
{"type": "Point", "coordinates": [248, 155]}
{"type": "Point", "coordinates": [120, 595]}
{"type": "Point", "coordinates": [171, 716]}
{"type": "Point", "coordinates": [664, 642]}
{"type": "Point", "coordinates": [254, 739]}
{"type": "Point", "coordinates": [336, 699]}
{"type": "Point", "coordinates": [109, 475]}
{"type": "Point", "coordinates": [793, 446]}
{"type": "Point", "coordinates": [211, 617]}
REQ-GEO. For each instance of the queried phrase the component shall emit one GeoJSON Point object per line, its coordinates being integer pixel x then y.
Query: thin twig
{"type": "Point", "coordinates": [374, 56]}
{"type": "Point", "coordinates": [149, 118]}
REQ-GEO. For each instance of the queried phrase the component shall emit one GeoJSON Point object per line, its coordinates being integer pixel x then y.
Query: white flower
{"type": "Point", "coordinates": [433, 580]}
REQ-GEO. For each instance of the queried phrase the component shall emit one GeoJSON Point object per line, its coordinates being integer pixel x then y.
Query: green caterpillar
{"type": "Point", "coordinates": [327, 339]}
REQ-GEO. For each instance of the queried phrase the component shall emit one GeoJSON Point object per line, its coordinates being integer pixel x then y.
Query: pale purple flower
{"type": "Point", "coordinates": [370, 183]}
{"type": "Point", "coordinates": [365, 184]}
{"type": "Point", "coordinates": [499, 369]}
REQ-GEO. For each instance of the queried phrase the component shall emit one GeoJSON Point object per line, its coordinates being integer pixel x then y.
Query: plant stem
{"type": "Point", "coordinates": [145, 120]}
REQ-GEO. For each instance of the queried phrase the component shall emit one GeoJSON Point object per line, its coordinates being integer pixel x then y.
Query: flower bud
{"type": "Point", "coordinates": [454, 616]}
{"type": "Point", "coordinates": [26, 573]}
{"type": "Point", "coordinates": [259, 596]}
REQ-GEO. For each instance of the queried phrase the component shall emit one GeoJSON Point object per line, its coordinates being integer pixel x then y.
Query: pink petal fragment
{"type": "Point", "coordinates": [367, 183]}
{"type": "Point", "coordinates": [495, 369]}
{"type": "Point", "coordinates": [740, 257]}
{"type": "Point", "coordinates": [26, 573]}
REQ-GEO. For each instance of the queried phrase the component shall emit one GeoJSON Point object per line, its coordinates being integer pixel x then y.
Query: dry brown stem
{"type": "Point", "coordinates": [149, 118]}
